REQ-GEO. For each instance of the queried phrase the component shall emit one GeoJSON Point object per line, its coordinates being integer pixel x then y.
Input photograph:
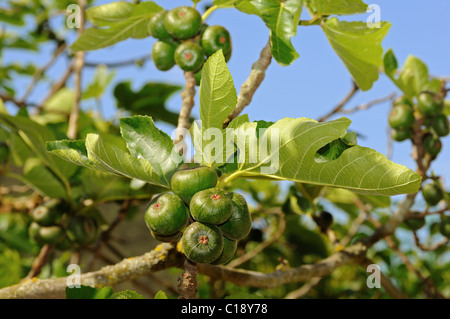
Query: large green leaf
{"type": "Point", "coordinates": [145, 140]}
{"type": "Point", "coordinates": [290, 154]}
{"type": "Point", "coordinates": [72, 151]}
{"type": "Point", "coordinates": [41, 179]}
{"type": "Point", "coordinates": [114, 157]}
{"type": "Point", "coordinates": [99, 82]}
{"type": "Point", "coordinates": [359, 48]}
{"type": "Point", "coordinates": [134, 25]}
{"type": "Point", "coordinates": [413, 78]}
{"type": "Point", "coordinates": [218, 98]}
{"type": "Point", "coordinates": [109, 14]}
{"type": "Point", "coordinates": [150, 100]}
{"type": "Point", "coordinates": [218, 95]}
{"type": "Point", "coordinates": [224, 3]}
{"type": "Point", "coordinates": [339, 7]}
{"type": "Point", "coordinates": [282, 18]}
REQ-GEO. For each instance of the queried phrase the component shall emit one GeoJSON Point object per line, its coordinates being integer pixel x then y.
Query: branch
{"type": "Point", "coordinates": [252, 83]}
{"type": "Point", "coordinates": [162, 257]}
{"type": "Point", "coordinates": [341, 104]}
{"type": "Point", "coordinates": [37, 75]}
{"type": "Point", "coordinates": [354, 254]}
{"type": "Point", "coordinates": [275, 237]}
{"type": "Point", "coordinates": [184, 123]}
{"type": "Point", "coordinates": [72, 130]}
{"type": "Point", "coordinates": [303, 290]}
{"type": "Point", "coordinates": [165, 256]}
{"type": "Point", "coordinates": [39, 262]}
{"type": "Point", "coordinates": [60, 83]}
{"type": "Point", "coordinates": [368, 105]}
{"type": "Point", "coordinates": [140, 60]}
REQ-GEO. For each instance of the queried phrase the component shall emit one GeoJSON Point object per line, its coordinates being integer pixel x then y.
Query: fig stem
{"type": "Point", "coordinates": [187, 283]}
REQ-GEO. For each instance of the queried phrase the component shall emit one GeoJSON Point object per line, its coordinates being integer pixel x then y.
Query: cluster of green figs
{"type": "Point", "coordinates": [428, 111]}
{"type": "Point", "coordinates": [52, 226]}
{"type": "Point", "coordinates": [209, 221]}
{"type": "Point", "coordinates": [184, 40]}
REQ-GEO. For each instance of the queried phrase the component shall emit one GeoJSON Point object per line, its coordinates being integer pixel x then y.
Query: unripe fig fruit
{"type": "Point", "coordinates": [183, 22]}
{"type": "Point", "coordinates": [166, 214]}
{"type": "Point", "coordinates": [157, 27]}
{"type": "Point", "coordinates": [229, 249]}
{"type": "Point", "coordinates": [212, 206]}
{"type": "Point", "coordinates": [238, 226]}
{"type": "Point", "coordinates": [432, 193]}
{"type": "Point", "coordinates": [202, 243]}
{"type": "Point", "coordinates": [186, 182]}
{"type": "Point", "coordinates": [82, 230]}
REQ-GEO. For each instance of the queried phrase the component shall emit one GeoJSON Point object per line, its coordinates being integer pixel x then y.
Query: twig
{"type": "Point", "coordinates": [40, 261]}
{"type": "Point", "coordinates": [60, 83]}
{"type": "Point", "coordinates": [119, 64]}
{"type": "Point", "coordinates": [72, 130]}
{"type": "Point", "coordinates": [354, 228]}
{"type": "Point", "coordinates": [166, 256]}
{"type": "Point", "coordinates": [303, 290]}
{"type": "Point", "coordinates": [252, 83]}
{"type": "Point", "coordinates": [37, 75]}
{"type": "Point", "coordinates": [275, 237]}
{"type": "Point", "coordinates": [368, 105]}
{"type": "Point", "coordinates": [342, 103]}
{"type": "Point", "coordinates": [432, 247]}
{"type": "Point", "coordinates": [184, 123]}
{"type": "Point", "coordinates": [187, 283]}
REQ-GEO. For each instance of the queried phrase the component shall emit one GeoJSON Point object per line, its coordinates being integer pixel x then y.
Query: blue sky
{"type": "Point", "coordinates": [309, 87]}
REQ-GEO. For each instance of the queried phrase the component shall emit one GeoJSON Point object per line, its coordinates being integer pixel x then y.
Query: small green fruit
{"type": "Point", "coordinates": [82, 230]}
{"type": "Point", "coordinates": [240, 222]}
{"type": "Point", "coordinates": [403, 100]}
{"type": "Point", "coordinates": [157, 27]}
{"type": "Point", "coordinates": [163, 54]}
{"type": "Point", "coordinates": [432, 145]}
{"type": "Point", "coordinates": [166, 214]}
{"type": "Point", "coordinates": [400, 135]}
{"type": "Point", "coordinates": [44, 215]}
{"type": "Point", "coordinates": [167, 239]}
{"type": "Point", "coordinates": [229, 249]}
{"type": "Point", "coordinates": [186, 182]}
{"type": "Point", "coordinates": [415, 223]}
{"type": "Point", "coordinates": [401, 116]}
{"type": "Point", "coordinates": [33, 232]}
{"type": "Point", "coordinates": [216, 38]}
{"type": "Point", "coordinates": [440, 125]}
{"type": "Point", "coordinates": [212, 206]}
{"type": "Point", "coordinates": [430, 104]}
{"type": "Point", "coordinates": [183, 22]}
{"type": "Point", "coordinates": [189, 56]}
{"type": "Point", "coordinates": [432, 193]}
{"type": "Point", "coordinates": [444, 227]}
{"type": "Point", "coordinates": [202, 243]}
{"type": "Point", "coordinates": [51, 235]}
